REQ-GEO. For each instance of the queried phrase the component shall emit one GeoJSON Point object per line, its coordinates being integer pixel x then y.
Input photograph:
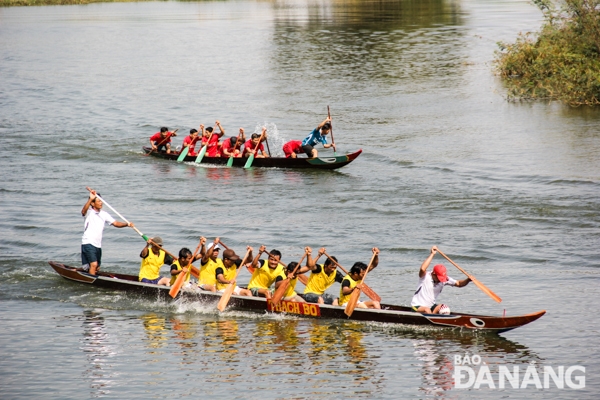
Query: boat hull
{"type": "Point", "coordinates": [388, 314]}
{"type": "Point", "coordinates": [271, 162]}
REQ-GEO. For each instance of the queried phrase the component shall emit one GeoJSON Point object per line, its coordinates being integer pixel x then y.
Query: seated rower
{"type": "Point", "coordinates": [292, 148]}
{"type": "Point", "coordinates": [183, 265]}
{"type": "Point", "coordinates": [251, 144]}
{"type": "Point", "coordinates": [317, 136]}
{"type": "Point", "coordinates": [214, 148]}
{"type": "Point", "coordinates": [161, 141]}
{"type": "Point", "coordinates": [190, 141]}
{"type": "Point", "coordinates": [290, 294]}
{"type": "Point", "coordinates": [227, 273]}
{"type": "Point", "coordinates": [266, 273]}
{"type": "Point", "coordinates": [207, 279]}
{"type": "Point", "coordinates": [351, 282]}
{"type": "Point", "coordinates": [232, 146]}
{"type": "Point", "coordinates": [154, 257]}
{"type": "Point", "coordinates": [321, 278]}
{"type": "Point", "coordinates": [431, 285]}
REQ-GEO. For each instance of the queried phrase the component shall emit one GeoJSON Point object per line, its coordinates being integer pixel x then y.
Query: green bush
{"type": "Point", "coordinates": [562, 61]}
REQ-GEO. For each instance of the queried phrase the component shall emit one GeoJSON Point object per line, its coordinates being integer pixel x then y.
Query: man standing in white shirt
{"type": "Point", "coordinates": [91, 242]}
{"type": "Point", "coordinates": [431, 285]}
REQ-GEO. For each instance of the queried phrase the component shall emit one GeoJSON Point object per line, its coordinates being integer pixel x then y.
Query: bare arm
{"type": "Point", "coordinates": [261, 250]}
{"type": "Point", "coordinates": [425, 265]}
{"type": "Point", "coordinates": [375, 260]}
{"type": "Point", "coordinates": [310, 261]}
{"type": "Point", "coordinates": [87, 205]}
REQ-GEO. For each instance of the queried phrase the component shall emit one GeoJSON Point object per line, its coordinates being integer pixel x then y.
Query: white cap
{"type": "Point", "coordinates": [218, 247]}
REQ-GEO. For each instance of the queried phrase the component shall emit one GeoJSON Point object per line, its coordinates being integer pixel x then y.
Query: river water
{"type": "Point", "coordinates": [510, 191]}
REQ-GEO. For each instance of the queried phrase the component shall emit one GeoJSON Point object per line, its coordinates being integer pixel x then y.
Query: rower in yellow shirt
{"type": "Point", "coordinates": [208, 267]}
{"type": "Point", "coordinates": [266, 273]}
{"type": "Point", "coordinates": [226, 274]}
{"type": "Point", "coordinates": [353, 280]}
{"type": "Point", "coordinates": [321, 278]}
{"type": "Point", "coordinates": [154, 257]}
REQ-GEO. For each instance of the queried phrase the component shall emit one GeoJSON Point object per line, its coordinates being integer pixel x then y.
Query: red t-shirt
{"type": "Point", "coordinates": [228, 146]}
{"type": "Point", "coordinates": [213, 149]}
{"type": "Point", "coordinates": [158, 139]}
{"type": "Point", "coordinates": [294, 146]}
{"type": "Point", "coordinates": [249, 145]}
{"type": "Point", "coordinates": [191, 143]}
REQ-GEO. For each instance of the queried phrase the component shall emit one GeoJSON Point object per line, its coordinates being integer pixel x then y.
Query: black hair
{"type": "Point", "coordinates": [292, 266]}
{"type": "Point", "coordinates": [328, 262]}
{"type": "Point", "coordinates": [357, 267]}
{"type": "Point", "coordinates": [209, 129]}
{"type": "Point", "coordinates": [326, 125]}
{"type": "Point", "coordinates": [276, 253]}
{"type": "Point", "coordinates": [255, 136]}
{"type": "Point", "coordinates": [193, 131]}
{"type": "Point", "coordinates": [185, 253]}
{"type": "Point", "coordinates": [164, 129]}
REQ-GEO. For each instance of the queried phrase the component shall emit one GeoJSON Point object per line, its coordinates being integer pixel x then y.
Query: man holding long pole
{"type": "Point", "coordinates": [91, 242]}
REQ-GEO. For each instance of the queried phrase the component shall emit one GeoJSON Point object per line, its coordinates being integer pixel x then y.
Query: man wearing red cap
{"type": "Point", "coordinates": [431, 285]}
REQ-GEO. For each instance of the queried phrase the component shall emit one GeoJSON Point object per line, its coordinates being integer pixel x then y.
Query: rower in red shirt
{"type": "Point", "coordinates": [214, 148]}
{"type": "Point", "coordinates": [161, 141]}
{"type": "Point", "coordinates": [293, 148]}
{"type": "Point", "coordinates": [232, 145]}
{"type": "Point", "coordinates": [250, 145]}
{"type": "Point", "coordinates": [190, 141]}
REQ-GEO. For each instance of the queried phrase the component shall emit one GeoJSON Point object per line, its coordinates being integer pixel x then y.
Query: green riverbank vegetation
{"type": "Point", "coordinates": [10, 3]}
{"type": "Point", "coordinates": [562, 61]}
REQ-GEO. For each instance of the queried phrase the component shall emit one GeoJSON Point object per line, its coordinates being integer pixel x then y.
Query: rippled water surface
{"type": "Point", "coordinates": [510, 191]}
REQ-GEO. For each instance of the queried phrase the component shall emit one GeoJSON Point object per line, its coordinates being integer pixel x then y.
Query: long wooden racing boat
{"type": "Point", "coordinates": [388, 313]}
{"type": "Point", "coordinates": [271, 162]}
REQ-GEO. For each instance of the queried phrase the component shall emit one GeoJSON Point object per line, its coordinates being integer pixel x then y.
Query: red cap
{"type": "Point", "coordinates": [440, 271]}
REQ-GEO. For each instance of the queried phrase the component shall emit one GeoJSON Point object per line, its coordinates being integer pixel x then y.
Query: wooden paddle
{"type": "Point", "coordinates": [331, 130]}
{"type": "Point", "coordinates": [163, 141]}
{"type": "Point", "coordinates": [203, 150]}
{"type": "Point", "coordinates": [181, 277]}
{"type": "Point", "coordinates": [183, 153]}
{"type": "Point", "coordinates": [251, 158]}
{"type": "Point", "coordinates": [229, 290]}
{"type": "Point", "coordinates": [231, 157]}
{"type": "Point", "coordinates": [283, 286]}
{"type": "Point", "coordinates": [356, 293]}
{"type": "Point", "coordinates": [268, 149]}
{"type": "Point", "coordinates": [366, 289]}
{"type": "Point", "coordinates": [480, 285]}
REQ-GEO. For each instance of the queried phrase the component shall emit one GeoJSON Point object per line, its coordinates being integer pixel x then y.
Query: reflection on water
{"type": "Point", "coordinates": [156, 333]}
{"type": "Point", "coordinates": [95, 343]}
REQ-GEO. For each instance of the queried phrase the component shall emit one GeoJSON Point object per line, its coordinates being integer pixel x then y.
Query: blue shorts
{"type": "Point", "coordinates": [153, 281]}
{"type": "Point", "coordinates": [90, 254]}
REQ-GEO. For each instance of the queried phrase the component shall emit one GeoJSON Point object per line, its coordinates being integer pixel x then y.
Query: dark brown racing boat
{"type": "Point", "coordinates": [330, 162]}
{"type": "Point", "coordinates": [388, 314]}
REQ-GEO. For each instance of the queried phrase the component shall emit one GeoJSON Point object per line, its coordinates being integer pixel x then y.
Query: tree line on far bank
{"type": "Point", "coordinates": [562, 61]}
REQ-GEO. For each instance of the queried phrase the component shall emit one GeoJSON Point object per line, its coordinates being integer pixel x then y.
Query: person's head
{"type": "Point", "coordinates": [185, 257]}
{"type": "Point", "coordinates": [97, 203]}
{"type": "Point", "coordinates": [439, 274]}
{"type": "Point", "coordinates": [193, 133]}
{"type": "Point", "coordinates": [255, 138]}
{"type": "Point", "coordinates": [233, 140]}
{"type": "Point", "coordinates": [214, 251]}
{"type": "Point", "coordinates": [229, 258]}
{"type": "Point", "coordinates": [329, 265]}
{"type": "Point", "coordinates": [358, 270]}
{"type": "Point", "coordinates": [325, 128]}
{"type": "Point", "coordinates": [208, 130]}
{"type": "Point", "coordinates": [291, 266]}
{"type": "Point", "coordinates": [157, 243]}
{"type": "Point", "coordinates": [164, 130]}
{"type": "Point", "coordinates": [274, 258]}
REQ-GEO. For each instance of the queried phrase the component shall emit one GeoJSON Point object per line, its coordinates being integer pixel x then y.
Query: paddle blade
{"type": "Point", "coordinates": [370, 293]}
{"type": "Point", "coordinates": [226, 296]}
{"type": "Point", "coordinates": [250, 161]}
{"type": "Point", "coordinates": [177, 285]}
{"type": "Point", "coordinates": [280, 291]}
{"type": "Point", "coordinates": [352, 302]}
{"type": "Point", "coordinates": [184, 153]}
{"type": "Point", "coordinates": [201, 155]}
{"type": "Point", "coordinates": [230, 161]}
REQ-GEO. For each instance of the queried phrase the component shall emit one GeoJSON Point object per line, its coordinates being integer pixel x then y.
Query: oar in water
{"type": "Point", "coordinates": [231, 287]}
{"type": "Point", "coordinates": [231, 157]}
{"type": "Point", "coordinates": [331, 130]}
{"type": "Point", "coordinates": [181, 277]}
{"type": "Point", "coordinates": [251, 157]}
{"type": "Point", "coordinates": [163, 141]}
{"type": "Point", "coordinates": [356, 292]}
{"type": "Point", "coordinates": [473, 279]}
{"type": "Point", "coordinates": [183, 153]}
{"type": "Point", "coordinates": [283, 286]}
{"type": "Point", "coordinates": [203, 150]}
{"type": "Point", "coordinates": [366, 289]}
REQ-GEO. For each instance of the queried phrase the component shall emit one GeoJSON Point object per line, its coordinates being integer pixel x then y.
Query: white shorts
{"type": "Point", "coordinates": [236, 291]}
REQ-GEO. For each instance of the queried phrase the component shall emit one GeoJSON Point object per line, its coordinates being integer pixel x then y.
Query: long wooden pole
{"type": "Point", "coordinates": [356, 293]}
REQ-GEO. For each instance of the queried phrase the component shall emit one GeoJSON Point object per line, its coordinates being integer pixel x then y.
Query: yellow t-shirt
{"type": "Point", "coordinates": [207, 272]}
{"type": "Point", "coordinates": [263, 277]}
{"type": "Point", "coordinates": [291, 288]}
{"type": "Point", "coordinates": [228, 274]}
{"type": "Point", "coordinates": [319, 282]}
{"type": "Point", "coordinates": [150, 266]}
{"type": "Point", "coordinates": [345, 297]}
{"type": "Point", "coordinates": [187, 276]}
